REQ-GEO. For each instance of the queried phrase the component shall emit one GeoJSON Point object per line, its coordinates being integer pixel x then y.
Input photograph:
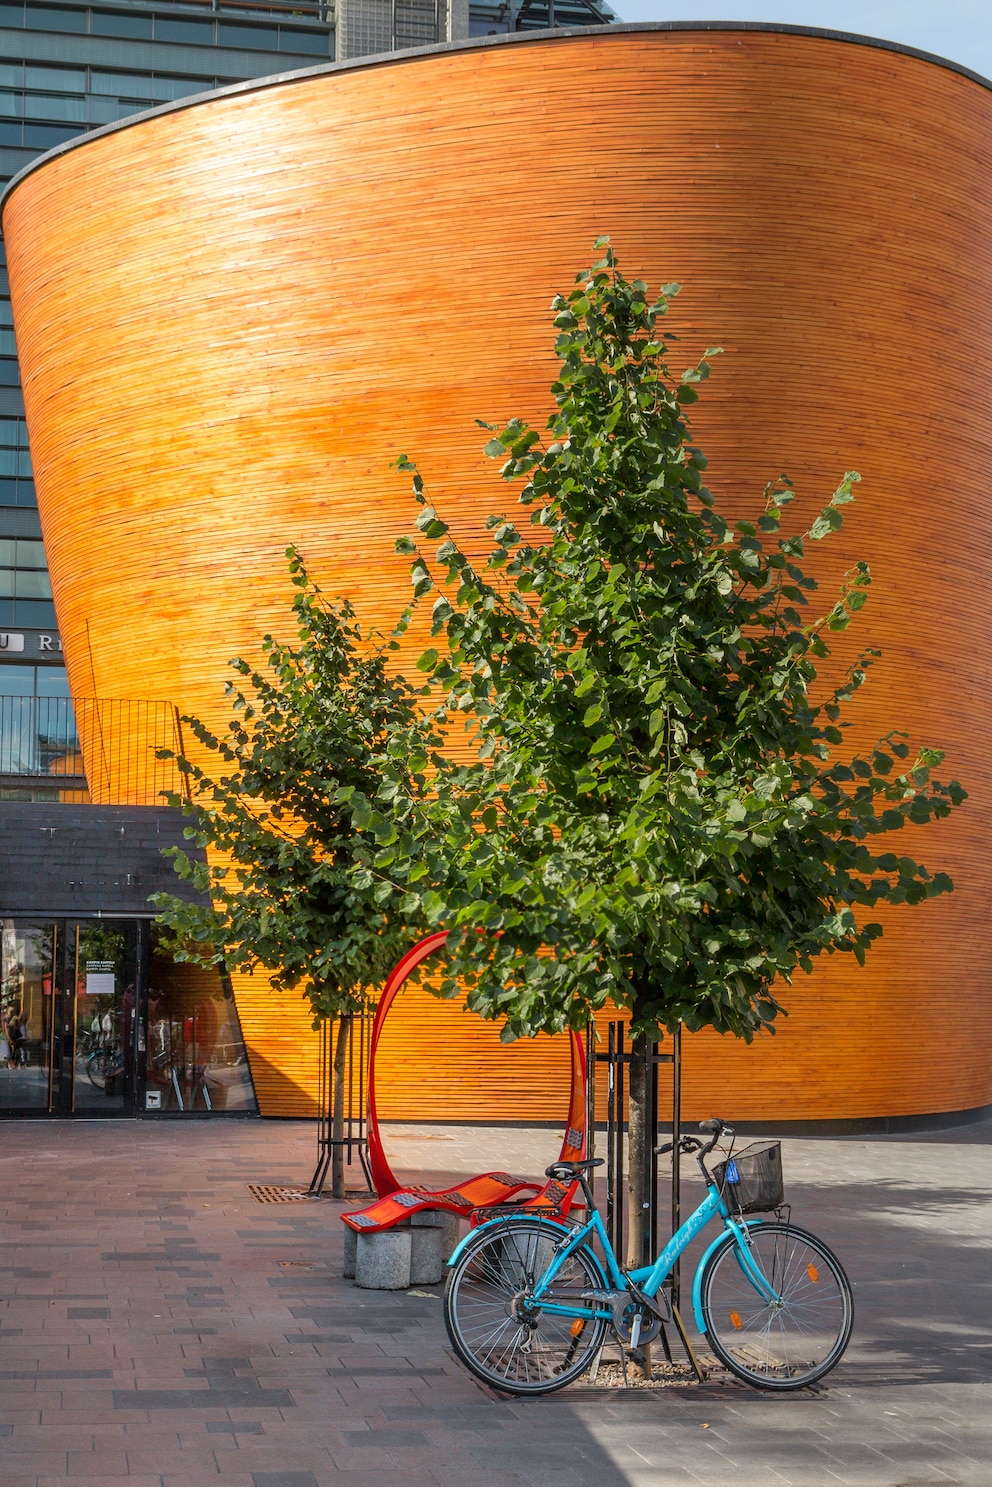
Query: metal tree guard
{"type": "Point", "coordinates": [617, 1060]}
{"type": "Point", "coordinates": [342, 1134]}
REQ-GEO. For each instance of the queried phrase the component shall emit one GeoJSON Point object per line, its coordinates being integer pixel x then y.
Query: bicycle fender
{"type": "Point", "coordinates": [697, 1279]}
{"type": "Point", "coordinates": [472, 1234]}
{"type": "Point", "coordinates": [697, 1284]}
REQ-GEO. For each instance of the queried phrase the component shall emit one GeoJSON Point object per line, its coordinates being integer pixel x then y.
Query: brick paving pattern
{"type": "Point", "coordinates": [161, 1327]}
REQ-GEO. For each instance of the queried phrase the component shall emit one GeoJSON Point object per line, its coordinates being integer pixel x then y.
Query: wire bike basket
{"type": "Point", "coordinates": [751, 1181]}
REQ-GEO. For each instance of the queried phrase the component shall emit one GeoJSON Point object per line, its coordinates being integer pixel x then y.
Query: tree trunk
{"type": "Point", "coordinates": [337, 1106]}
{"type": "Point", "coordinates": [640, 1134]}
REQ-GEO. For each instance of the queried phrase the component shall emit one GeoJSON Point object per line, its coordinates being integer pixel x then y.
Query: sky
{"type": "Point", "coordinates": [960, 30]}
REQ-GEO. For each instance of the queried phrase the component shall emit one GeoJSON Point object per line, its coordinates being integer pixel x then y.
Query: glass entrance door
{"type": "Point", "coordinates": [99, 991]}
{"type": "Point", "coordinates": [67, 1007]}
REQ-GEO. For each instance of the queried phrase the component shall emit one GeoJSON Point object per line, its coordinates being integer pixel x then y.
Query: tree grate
{"type": "Point", "coordinates": [263, 1193]}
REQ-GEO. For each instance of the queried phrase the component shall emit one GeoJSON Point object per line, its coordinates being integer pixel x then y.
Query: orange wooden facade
{"type": "Point", "coordinates": [232, 316]}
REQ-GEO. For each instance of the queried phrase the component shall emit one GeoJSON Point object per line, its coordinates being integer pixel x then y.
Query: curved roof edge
{"type": "Point", "coordinates": [518, 38]}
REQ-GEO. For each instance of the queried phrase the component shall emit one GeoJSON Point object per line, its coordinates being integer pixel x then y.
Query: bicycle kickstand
{"type": "Point", "coordinates": [697, 1367]}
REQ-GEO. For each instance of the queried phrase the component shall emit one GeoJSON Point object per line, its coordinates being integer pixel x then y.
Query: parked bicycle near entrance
{"type": "Point", "coordinates": [529, 1301]}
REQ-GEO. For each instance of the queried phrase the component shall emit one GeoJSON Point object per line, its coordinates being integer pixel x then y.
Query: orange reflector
{"type": "Point", "coordinates": [735, 1320]}
{"type": "Point", "coordinates": [577, 1326]}
{"type": "Point", "coordinates": [813, 1273]}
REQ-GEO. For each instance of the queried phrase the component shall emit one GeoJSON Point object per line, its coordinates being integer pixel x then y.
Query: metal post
{"type": "Point", "coordinates": [676, 1155]}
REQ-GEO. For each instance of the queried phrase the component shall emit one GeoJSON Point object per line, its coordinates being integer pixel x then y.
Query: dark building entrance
{"type": "Point", "coordinates": [97, 1017]}
{"type": "Point", "coordinates": [99, 1020]}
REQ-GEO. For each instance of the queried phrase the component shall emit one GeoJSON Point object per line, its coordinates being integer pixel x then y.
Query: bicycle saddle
{"type": "Point", "coordinates": [557, 1168]}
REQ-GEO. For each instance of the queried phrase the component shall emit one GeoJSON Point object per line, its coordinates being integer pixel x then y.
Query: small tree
{"type": "Point", "coordinates": [288, 882]}
{"type": "Point", "coordinates": [654, 811]}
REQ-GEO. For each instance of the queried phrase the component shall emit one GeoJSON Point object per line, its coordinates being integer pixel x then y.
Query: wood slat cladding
{"type": "Point", "coordinates": [231, 317]}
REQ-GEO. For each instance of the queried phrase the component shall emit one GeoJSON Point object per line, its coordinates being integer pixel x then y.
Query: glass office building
{"type": "Point", "coordinates": [65, 70]}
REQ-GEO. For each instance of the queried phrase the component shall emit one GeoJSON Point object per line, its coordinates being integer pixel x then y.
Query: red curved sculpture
{"type": "Point", "coordinates": [395, 1202]}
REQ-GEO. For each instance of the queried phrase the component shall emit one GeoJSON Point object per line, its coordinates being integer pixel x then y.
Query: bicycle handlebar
{"type": "Point", "coordinates": [692, 1146]}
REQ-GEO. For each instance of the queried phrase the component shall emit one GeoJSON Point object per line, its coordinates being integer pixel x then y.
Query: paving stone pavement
{"type": "Point", "coordinates": [159, 1325]}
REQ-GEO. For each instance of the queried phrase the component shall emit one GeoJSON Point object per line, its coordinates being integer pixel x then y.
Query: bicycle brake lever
{"type": "Point", "coordinates": [659, 1151]}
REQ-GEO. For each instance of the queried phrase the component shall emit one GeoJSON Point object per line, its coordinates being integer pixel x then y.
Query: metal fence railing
{"type": "Point", "coordinates": [108, 746]}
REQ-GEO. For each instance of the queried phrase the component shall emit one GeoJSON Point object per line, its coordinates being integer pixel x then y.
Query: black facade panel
{"type": "Point", "coordinates": [67, 860]}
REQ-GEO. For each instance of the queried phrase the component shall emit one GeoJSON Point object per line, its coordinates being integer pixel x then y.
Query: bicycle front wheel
{"type": "Point", "coordinates": [787, 1339]}
{"type": "Point", "coordinates": [502, 1336]}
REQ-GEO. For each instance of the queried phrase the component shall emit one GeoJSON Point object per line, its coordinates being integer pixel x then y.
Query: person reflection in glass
{"type": "Point", "coordinates": [15, 1037]}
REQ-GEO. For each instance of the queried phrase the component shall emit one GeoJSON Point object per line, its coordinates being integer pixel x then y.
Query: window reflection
{"type": "Point", "coordinates": [26, 962]}
{"type": "Point", "coordinates": [196, 1059]}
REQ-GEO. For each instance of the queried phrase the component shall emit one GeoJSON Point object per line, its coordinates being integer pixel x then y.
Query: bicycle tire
{"type": "Point", "coordinates": [786, 1345]}
{"type": "Point", "coordinates": [97, 1068]}
{"type": "Point", "coordinates": [500, 1339]}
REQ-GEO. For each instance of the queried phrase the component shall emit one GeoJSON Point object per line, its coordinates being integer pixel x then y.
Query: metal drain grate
{"type": "Point", "coordinates": [265, 1194]}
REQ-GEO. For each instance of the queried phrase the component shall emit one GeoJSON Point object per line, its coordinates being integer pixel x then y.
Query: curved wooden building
{"type": "Point", "coordinates": [232, 314]}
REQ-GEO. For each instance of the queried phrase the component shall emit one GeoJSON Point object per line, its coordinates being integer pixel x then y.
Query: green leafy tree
{"type": "Point", "coordinates": [656, 808]}
{"type": "Point", "coordinates": [286, 818]}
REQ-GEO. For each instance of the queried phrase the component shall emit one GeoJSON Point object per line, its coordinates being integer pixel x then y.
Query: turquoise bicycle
{"type": "Point", "coordinates": [529, 1301]}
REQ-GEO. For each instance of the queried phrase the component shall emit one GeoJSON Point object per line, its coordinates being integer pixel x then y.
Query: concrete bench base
{"type": "Point", "coordinates": [413, 1253]}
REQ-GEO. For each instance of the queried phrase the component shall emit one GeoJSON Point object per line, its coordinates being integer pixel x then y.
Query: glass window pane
{"type": "Point", "coordinates": [6, 615]}
{"type": "Point", "coordinates": [11, 430]}
{"type": "Point", "coordinates": [7, 344]}
{"type": "Point", "coordinates": [11, 15]}
{"type": "Point", "coordinates": [201, 32]}
{"type": "Point", "coordinates": [36, 614]}
{"type": "Point", "coordinates": [6, 552]}
{"type": "Point", "coordinates": [120, 84]}
{"type": "Point", "coordinates": [11, 105]}
{"type": "Point", "coordinates": [8, 461]}
{"type": "Point", "coordinates": [116, 23]}
{"type": "Point", "coordinates": [44, 136]}
{"type": "Point", "coordinates": [6, 583]}
{"type": "Point", "coordinates": [6, 314]}
{"type": "Point", "coordinates": [101, 110]}
{"type": "Point", "coordinates": [27, 953]}
{"type": "Point", "coordinates": [8, 492]}
{"type": "Point", "coordinates": [196, 1056]}
{"type": "Point", "coordinates": [55, 20]}
{"type": "Point", "coordinates": [24, 463]}
{"type": "Point", "coordinates": [165, 89]}
{"type": "Point", "coordinates": [25, 490]}
{"type": "Point", "coordinates": [258, 37]}
{"type": "Point", "coordinates": [52, 681]}
{"type": "Point", "coordinates": [10, 134]}
{"type": "Point", "coordinates": [54, 106]}
{"type": "Point", "coordinates": [31, 584]}
{"type": "Point", "coordinates": [8, 374]}
{"type": "Point", "coordinates": [56, 79]}
{"type": "Point", "coordinates": [16, 681]}
{"type": "Point", "coordinates": [315, 42]}
{"type": "Point", "coordinates": [30, 554]}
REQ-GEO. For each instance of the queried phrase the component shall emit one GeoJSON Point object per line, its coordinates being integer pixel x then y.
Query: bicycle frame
{"type": "Point", "coordinates": [648, 1278]}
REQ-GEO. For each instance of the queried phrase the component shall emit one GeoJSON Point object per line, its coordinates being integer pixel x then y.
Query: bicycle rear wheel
{"type": "Point", "coordinates": [498, 1333]}
{"type": "Point", "coordinates": [98, 1067]}
{"type": "Point", "coordinates": [793, 1339]}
